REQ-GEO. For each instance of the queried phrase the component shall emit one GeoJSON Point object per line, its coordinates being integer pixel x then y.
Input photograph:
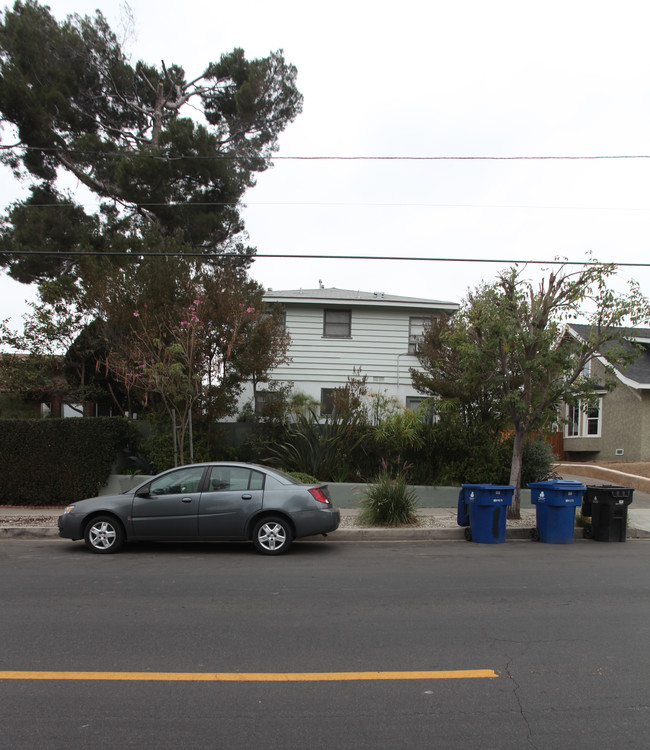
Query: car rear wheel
{"type": "Point", "coordinates": [103, 534]}
{"type": "Point", "coordinates": [272, 536]}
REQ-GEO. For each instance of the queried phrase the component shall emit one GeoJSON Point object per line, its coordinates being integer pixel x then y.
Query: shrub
{"type": "Point", "coordinates": [304, 478]}
{"type": "Point", "coordinates": [326, 449]}
{"type": "Point", "coordinates": [58, 461]}
{"type": "Point", "coordinates": [538, 460]}
{"type": "Point", "coordinates": [388, 502]}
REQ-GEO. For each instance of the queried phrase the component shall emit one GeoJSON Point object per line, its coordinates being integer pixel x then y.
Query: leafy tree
{"type": "Point", "coordinates": [511, 357]}
{"type": "Point", "coordinates": [156, 332]}
{"type": "Point", "coordinates": [74, 104]}
{"type": "Point", "coordinates": [168, 158]}
{"type": "Point", "coordinates": [37, 366]}
{"type": "Point", "coordinates": [194, 342]}
{"type": "Point", "coordinates": [443, 354]}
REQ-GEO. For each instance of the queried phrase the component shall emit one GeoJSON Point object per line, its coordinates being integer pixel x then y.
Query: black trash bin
{"type": "Point", "coordinates": [607, 506]}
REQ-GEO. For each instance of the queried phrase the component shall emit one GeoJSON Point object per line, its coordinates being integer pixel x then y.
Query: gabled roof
{"type": "Point", "coordinates": [637, 373]}
{"type": "Point", "coordinates": [334, 296]}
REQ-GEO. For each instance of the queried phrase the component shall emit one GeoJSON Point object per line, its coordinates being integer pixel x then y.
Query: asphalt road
{"type": "Point", "coordinates": [563, 629]}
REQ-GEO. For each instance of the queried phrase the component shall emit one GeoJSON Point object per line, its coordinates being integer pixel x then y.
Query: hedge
{"type": "Point", "coordinates": [57, 461]}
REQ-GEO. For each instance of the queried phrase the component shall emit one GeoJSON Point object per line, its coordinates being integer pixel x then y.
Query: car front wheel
{"type": "Point", "coordinates": [104, 535]}
{"type": "Point", "coordinates": [272, 536]}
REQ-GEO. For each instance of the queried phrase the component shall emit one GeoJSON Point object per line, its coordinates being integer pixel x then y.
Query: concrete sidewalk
{"type": "Point", "coordinates": [435, 524]}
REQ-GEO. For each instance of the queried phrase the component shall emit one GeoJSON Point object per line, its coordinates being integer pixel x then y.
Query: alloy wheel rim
{"type": "Point", "coordinates": [272, 536]}
{"type": "Point", "coordinates": [102, 535]}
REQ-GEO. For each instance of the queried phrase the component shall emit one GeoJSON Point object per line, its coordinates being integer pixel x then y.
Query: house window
{"type": "Point", "coordinates": [73, 410]}
{"type": "Point", "coordinates": [592, 418]}
{"type": "Point", "coordinates": [414, 403]}
{"type": "Point", "coordinates": [337, 324]}
{"type": "Point", "coordinates": [583, 422]}
{"type": "Point", "coordinates": [266, 400]}
{"type": "Point", "coordinates": [281, 315]}
{"type": "Point", "coordinates": [416, 333]}
{"type": "Point", "coordinates": [327, 400]}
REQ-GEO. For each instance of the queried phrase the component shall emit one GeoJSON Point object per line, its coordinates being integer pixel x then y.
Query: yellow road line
{"type": "Point", "coordinates": [458, 674]}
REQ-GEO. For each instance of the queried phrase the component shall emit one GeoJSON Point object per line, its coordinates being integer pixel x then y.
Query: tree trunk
{"type": "Point", "coordinates": [514, 510]}
{"type": "Point", "coordinates": [174, 438]}
{"type": "Point", "coordinates": [157, 115]}
{"type": "Point", "coordinates": [191, 437]}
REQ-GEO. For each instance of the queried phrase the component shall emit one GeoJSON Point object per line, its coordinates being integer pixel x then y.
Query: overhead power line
{"type": "Point", "coordinates": [322, 157]}
{"type": "Point", "coordinates": [321, 256]}
{"type": "Point", "coordinates": [344, 204]}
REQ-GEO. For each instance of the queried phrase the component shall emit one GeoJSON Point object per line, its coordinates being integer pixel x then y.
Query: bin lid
{"type": "Point", "coordinates": [557, 484]}
{"type": "Point", "coordinates": [608, 487]}
{"type": "Point", "coordinates": [609, 492]}
{"type": "Point", "coordinates": [489, 487]}
{"type": "Point", "coordinates": [488, 494]}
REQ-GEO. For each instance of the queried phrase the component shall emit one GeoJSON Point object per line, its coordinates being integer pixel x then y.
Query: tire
{"type": "Point", "coordinates": [588, 531]}
{"type": "Point", "coordinates": [468, 534]}
{"type": "Point", "coordinates": [534, 534]}
{"type": "Point", "coordinates": [272, 536]}
{"type": "Point", "coordinates": [104, 535]}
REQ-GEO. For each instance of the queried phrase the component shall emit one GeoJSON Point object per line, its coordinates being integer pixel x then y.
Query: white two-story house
{"type": "Point", "coordinates": [335, 331]}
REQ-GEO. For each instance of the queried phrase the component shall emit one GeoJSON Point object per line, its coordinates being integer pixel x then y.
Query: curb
{"type": "Point", "coordinates": [28, 532]}
{"type": "Point", "coordinates": [343, 535]}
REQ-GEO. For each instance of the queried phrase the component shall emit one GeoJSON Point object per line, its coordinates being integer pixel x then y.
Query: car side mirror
{"type": "Point", "coordinates": [143, 492]}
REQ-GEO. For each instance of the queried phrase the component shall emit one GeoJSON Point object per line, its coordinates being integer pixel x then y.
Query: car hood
{"type": "Point", "coordinates": [104, 500]}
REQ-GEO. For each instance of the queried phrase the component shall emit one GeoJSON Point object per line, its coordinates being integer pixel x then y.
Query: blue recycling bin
{"type": "Point", "coordinates": [462, 513]}
{"type": "Point", "coordinates": [487, 511]}
{"type": "Point", "coordinates": [555, 509]}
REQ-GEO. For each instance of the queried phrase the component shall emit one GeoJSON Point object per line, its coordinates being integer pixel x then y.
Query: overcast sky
{"type": "Point", "coordinates": [459, 78]}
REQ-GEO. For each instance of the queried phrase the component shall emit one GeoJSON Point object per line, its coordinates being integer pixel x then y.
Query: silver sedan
{"type": "Point", "coordinates": [205, 502]}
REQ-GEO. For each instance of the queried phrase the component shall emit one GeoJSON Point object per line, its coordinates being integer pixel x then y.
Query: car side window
{"type": "Point", "coordinates": [234, 479]}
{"type": "Point", "coordinates": [178, 482]}
{"type": "Point", "coordinates": [257, 481]}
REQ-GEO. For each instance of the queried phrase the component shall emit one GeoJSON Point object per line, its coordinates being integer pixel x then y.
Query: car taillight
{"type": "Point", "coordinates": [318, 494]}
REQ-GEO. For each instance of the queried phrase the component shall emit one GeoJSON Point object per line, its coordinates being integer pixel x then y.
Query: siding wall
{"type": "Point", "coordinates": [378, 345]}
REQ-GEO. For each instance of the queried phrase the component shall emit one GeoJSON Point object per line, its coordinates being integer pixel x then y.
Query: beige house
{"type": "Point", "coordinates": [618, 427]}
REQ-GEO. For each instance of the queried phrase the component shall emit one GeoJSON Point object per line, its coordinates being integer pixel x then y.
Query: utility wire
{"type": "Point", "coordinates": [343, 204]}
{"type": "Point", "coordinates": [317, 256]}
{"type": "Point", "coordinates": [235, 157]}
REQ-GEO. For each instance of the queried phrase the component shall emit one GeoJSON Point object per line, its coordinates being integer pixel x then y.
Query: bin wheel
{"type": "Point", "coordinates": [468, 534]}
{"type": "Point", "coordinates": [534, 534]}
{"type": "Point", "coordinates": [588, 531]}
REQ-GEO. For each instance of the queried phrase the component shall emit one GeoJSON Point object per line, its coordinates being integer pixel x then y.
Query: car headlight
{"type": "Point", "coordinates": [67, 510]}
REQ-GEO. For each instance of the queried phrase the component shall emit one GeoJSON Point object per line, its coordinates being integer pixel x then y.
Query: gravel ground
{"type": "Point", "coordinates": [443, 518]}
{"type": "Point", "coordinates": [40, 521]}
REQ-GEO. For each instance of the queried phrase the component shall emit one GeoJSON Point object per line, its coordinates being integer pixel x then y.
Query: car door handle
{"type": "Point", "coordinates": [246, 496]}
{"type": "Point", "coordinates": [186, 500]}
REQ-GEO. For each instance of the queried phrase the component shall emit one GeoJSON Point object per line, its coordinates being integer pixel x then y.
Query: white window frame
{"type": "Point", "coordinates": [581, 420]}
